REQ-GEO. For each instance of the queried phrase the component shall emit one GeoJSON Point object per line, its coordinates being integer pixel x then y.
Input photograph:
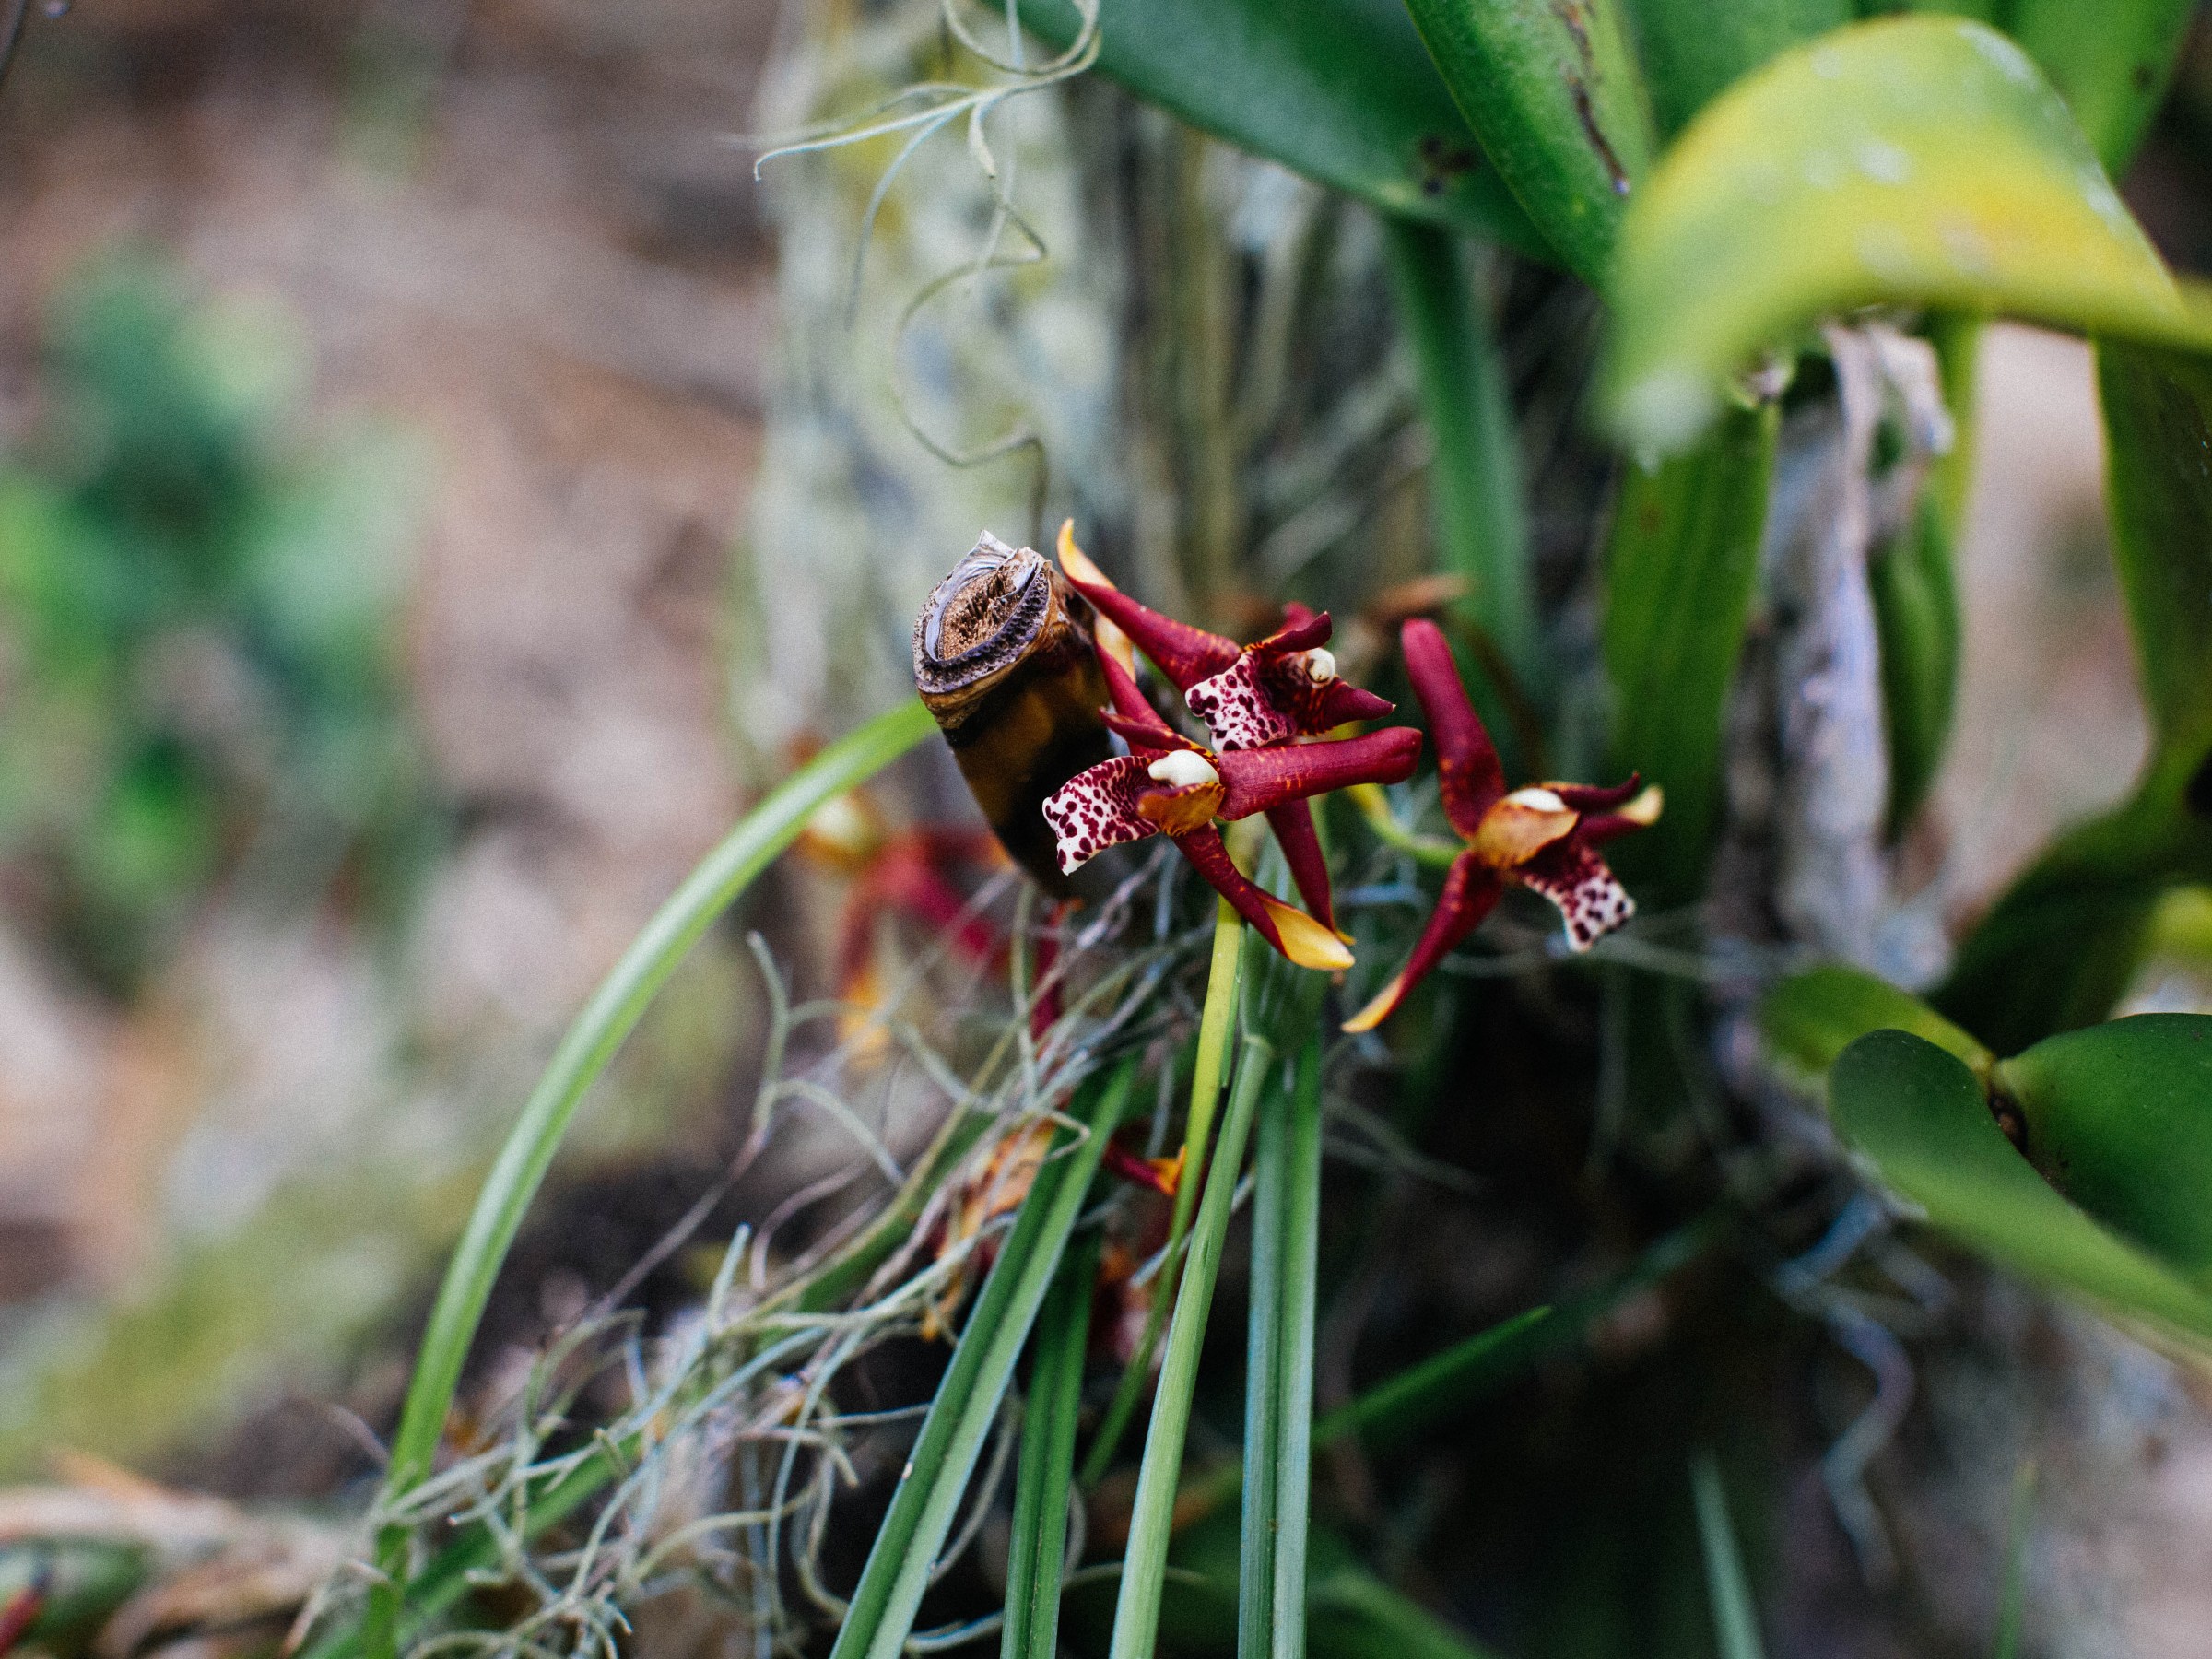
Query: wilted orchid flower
{"type": "Point", "coordinates": [1169, 785]}
{"type": "Point", "coordinates": [1542, 837]}
{"type": "Point", "coordinates": [1282, 689]}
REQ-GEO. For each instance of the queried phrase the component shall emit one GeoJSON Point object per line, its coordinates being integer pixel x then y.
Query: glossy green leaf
{"type": "Point", "coordinates": [1681, 567]}
{"type": "Point", "coordinates": [1337, 89]}
{"type": "Point", "coordinates": [1908, 161]}
{"type": "Point", "coordinates": [2057, 950]}
{"type": "Point", "coordinates": [1917, 1116]}
{"type": "Point", "coordinates": [905, 1552]}
{"type": "Point", "coordinates": [1476, 494]}
{"type": "Point", "coordinates": [1811, 1018]}
{"type": "Point", "coordinates": [2110, 59]}
{"type": "Point", "coordinates": [1694, 49]}
{"type": "Point", "coordinates": [2118, 1119]}
{"type": "Point", "coordinates": [1554, 93]}
{"type": "Point", "coordinates": [1915, 593]}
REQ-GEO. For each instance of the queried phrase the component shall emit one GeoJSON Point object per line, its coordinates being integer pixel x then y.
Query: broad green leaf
{"type": "Point", "coordinates": [1916, 594]}
{"type": "Point", "coordinates": [1693, 49]}
{"type": "Point", "coordinates": [1811, 1018]}
{"type": "Point", "coordinates": [2110, 59]}
{"type": "Point", "coordinates": [1681, 566]}
{"type": "Point", "coordinates": [1554, 93]}
{"type": "Point", "coordinates": [2058, 949]}
{"type": "Point", "coordinates": [1337, 89]}
{"type": "Point", "coordinates": [1916, 1114]}
{"type": "Point", "coordinates": [1918, 161]}
{"type": "Point", "coordinates": [2118, 1119]}
{"type": "Point", "coordinates": [1475, 488]}
{"type": "Point", "coordinates": [904, 1555]}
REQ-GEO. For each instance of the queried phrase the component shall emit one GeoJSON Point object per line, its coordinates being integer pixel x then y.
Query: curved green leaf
{"type": "Point", "coordinates": [1694, 49]}
{"type": "Point", "coordinates": [2057, 950]}
{"type": "Point", "coordinates": [1681, 567]}
{"type": "Point", "coordinates": [1554, 93]}
{"type": "Point", "coordinates": [1915, 160]}
{"type": "Point", "coordinates": [2118, 1119]}
{"type": "Point", "coordinates": [1337, 89]}
{"type": "Point", "coordinates": [1916, 1114]}
{"type": "Point", "coordinates": [1811, 1018]}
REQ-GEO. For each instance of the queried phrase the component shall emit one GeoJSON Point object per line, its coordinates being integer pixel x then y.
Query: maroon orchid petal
{"type": "Point", "coordinates": [1292, 932]}
{"type": "Point", "coordinates": [1468, 774]}
{"type": "Point", "coordinates": [1241, 709]}
{"type": "Point", "coordinates": [1149, 737]}
{"type": "Point", "coordinates": [1339, 702]}
{"type": "Point", "coordinates": [1471, 890]}
{"type": "Point", "coordinates": [1595, 797]}
{"type": "Point", "coordinates": [1185, 655]}
{"type": "Point", "coordinates": [1132, 713]}
{"type": "Point", "coordinates": [1589, 895]}
{"type": "Point", "coordinates": [1255, 780]}
{"type": "Point", "coordinates": [1302, 630]}
{"type": "Point", "coordinates": [1099, 807]}
{"type": "Point", "coordinates": [1294, 832]}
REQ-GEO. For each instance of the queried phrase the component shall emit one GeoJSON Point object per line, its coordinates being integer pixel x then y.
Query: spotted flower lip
{"type": "Point", "coordinates": [1280, 690]}
{"type": "Point", "coordinates": [1169, 785]}
{"type": "Point", "coordinates": [1542, 836]}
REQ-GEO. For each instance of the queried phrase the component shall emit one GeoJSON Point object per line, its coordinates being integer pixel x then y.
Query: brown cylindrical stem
{"type": "Point", "coordinates": [1003, 658]}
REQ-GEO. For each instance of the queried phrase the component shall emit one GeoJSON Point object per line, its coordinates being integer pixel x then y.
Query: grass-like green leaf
{"type": "Point", "coordinates": [1918, 1116]}
{"type": "Point", "coordinates": [1681, 567]}
{"type": "Point", "coordinates": [1556, 97]}
{"type": "Point", "coordinates": [1151, 1522]}
{"type": "Point", "coordinates": [1910, 160]}
{"type": "Point", "coordinates": [2119, 1118]}
{"type": "Point", "coordinates": [914, 1529]}
{"type": "Point", "coordinates": [1734, 1618]}
{"type": "Point", "coordinates": [1037, 1547]}
{"type": "Point", "coordinates": [614, 1010]}
{"type": "Point", "coordinates": [1337, 89]}
{"type": "Point", "coordinates": [1278, 1387]}
{"type": "Point", "coordinates": [1476, 495]}
{"type": "Point", "coordinates": [2057, 950]}
{"type": "Point", "coordinates": [1214, 1020]}
{"type": "Point", "coordinates": [2012, 1598]}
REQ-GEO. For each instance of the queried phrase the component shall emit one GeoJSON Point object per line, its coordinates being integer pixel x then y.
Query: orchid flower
{"type": "Point", "coordinates": [1280, 690]}
{"type": "Point", "coordinates": [1545, 837]}
{"type": "Point", "coordinates": [1169, 785]}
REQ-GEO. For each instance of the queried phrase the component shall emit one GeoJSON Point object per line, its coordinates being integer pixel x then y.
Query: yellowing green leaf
{"type": "Point", "coordinates": [1919, 160]}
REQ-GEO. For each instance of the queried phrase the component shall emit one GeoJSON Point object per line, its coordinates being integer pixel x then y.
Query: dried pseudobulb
{"type": "Point", "coordinates": [1002, 657]}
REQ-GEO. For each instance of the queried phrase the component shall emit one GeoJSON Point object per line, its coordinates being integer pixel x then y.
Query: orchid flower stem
{"type": "Point", "coordinates": [1213, 1022]}
{"type": "Point", "coordinates": [598, 1031]}
{"type": "Point", "coordinates": [1374, 806]}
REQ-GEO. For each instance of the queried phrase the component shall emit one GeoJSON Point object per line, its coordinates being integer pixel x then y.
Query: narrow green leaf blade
{"type": "Point", "coordinates": [914, 1529]}
{"type": "Point", "coordinates": [2118, 1119]}
{"type": "Point", "coordinates": [1339, 90]}
{"type": "Point", "coordinates": [1037, 1549]}
{"type": "Point", "coordinates": [1476, 497]}
{"type": "Point", "coordinates": [1919, 160]}
{"type": "Point", "coordinates": [1278, 1388]}
{"type": "Point", "coordinates": [1916, 1114]}
{"type": "Point", "coordinates": [1726, 1586]}
{"type": "Point", "coordinates": [1555, 95]}
{"type": "Point", "coordinates": [1681, 568]}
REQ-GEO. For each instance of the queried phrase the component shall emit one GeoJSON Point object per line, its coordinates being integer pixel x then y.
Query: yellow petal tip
{"type": "Point", "coordinates": [1306, 941]}
{"type": "Point", "coordinates": [1380, 1009]}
